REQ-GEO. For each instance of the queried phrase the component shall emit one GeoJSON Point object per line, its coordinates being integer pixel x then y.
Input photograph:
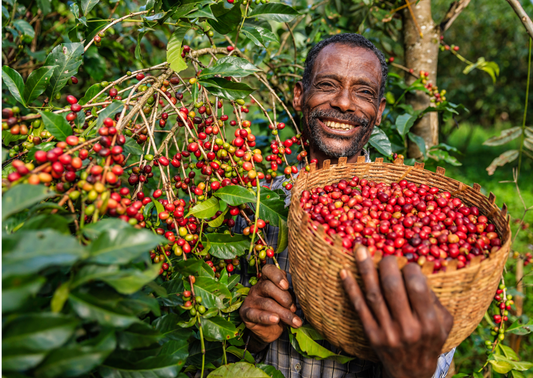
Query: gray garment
{"type": "Point", "coordinates": [286, 359]}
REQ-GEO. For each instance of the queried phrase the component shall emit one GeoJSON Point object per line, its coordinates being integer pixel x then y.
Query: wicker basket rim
{"type": "Point", "coordinates": [467, 269]}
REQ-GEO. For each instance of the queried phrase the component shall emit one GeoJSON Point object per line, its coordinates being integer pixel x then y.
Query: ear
{"type": "Point", "coordinates": [382, 105]}
{"type": "Point", "coordinates": [297, 102]}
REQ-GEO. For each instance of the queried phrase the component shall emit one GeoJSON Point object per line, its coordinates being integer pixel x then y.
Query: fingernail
{"type": "Point", "coordinates": [274, 319]}
{"type": "Point", "coordinates": [361, 253]}
{"type": "Point", "coordinates": [343, 274]}
{"type": "Point", "coordinates": [284, 284]}
{"type": "Point", "coordinates": [293, 308]}
{"type": "Point", "coordinates": [297, 322]}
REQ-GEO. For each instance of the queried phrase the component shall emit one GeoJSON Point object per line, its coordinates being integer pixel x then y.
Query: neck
{"type": "Point", "coordinates": [315, 153]}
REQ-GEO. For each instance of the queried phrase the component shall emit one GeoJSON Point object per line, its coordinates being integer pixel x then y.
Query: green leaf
{"type": "Point", "coordinates": [380, 141]}
{"type": "Point", "coordinates": [37, 331]}
{"type": "Point", "coordinates": [194, 267]}
{"type": "Point", "coordinates": [278, 12]}
{"type": "Point", "coordinates": [45, 6]}
{"type": "Point", "coordinates": [17, 290]}
{"type": "Point", "coordinates": [167, 325]}
{"type": "Point", "coordinates": [501, 160]}
{"type": "Point", "coordinates": [43, 221]}
{"type": "Point", "coordinates": [56, 124]}
{"type": "Point", "coordinates": [205, 209]}
{"type": "Point", "coordinates": [306, 336]}
{"type": "Point", "coordinates": [218, 221]}
{"type": "Point", "coordinates": [270, 210]}
{"type": "Point", "coordinates": [283, 235]}
{"type": "Point", "coordinates": [87, 6]}
{"type": "Point", "coordinates": [120, 247]}
{"type": "Point", "coordinates": [14, 83]}
{"type": "Point", "coordinates": [165, 361]}
{"type": "Point", "coordinates": [67, 57]}
{"type": "Point", "coordinates": [230, 66]}
{"type": "Point", "coordinates": [104, 311]}
{"type": "Point", "coordinates": [461, 375]}
{"type": "Point", "coordinates": [227, 19]}
{"type": "Point", "coordinates": [37, 83]}
{"type": "Point", "coordinates": [93, 230]}
{"type": "Point", "coordinates": [508, 352]}
{"type": "Point", "coordinates": [132, 147]}
{"type": "Point", "coordinates": [21, 197]}
{"type": "Point", "coordinates": [229, 90]}
{"type": "Point", "coordinates": [204, 12]}
{"type": "Point", "coordinates": [517, 374]}
{"type": "Point", "coordinates": [138, 335]}
{"type": "Point", "coordinates": [238, 370]}
{"type": "Point", "coordinates": [504, 137]}
{"type": "Point", "coordinates": [521, 329]}
{"type": "Point", "coordinates": [218, 329]}
{"type": "Point", "coordinates": [78, 359]}
{"type": "Point", "coordinates": [31, 251]}
{"type": "Point", "coordinates": [60, 297]}
{"type": "Point", "coordinates": [235, 195]}
{"type": "Point", "coordinates": [90, 93]}
{"type": "Point", "coordinates": [419, 141]}
{"type": "Point", "coordinates": [127, 281]}
{"type": "Point", "coordinates": [258, 35]}
{"type": "Point", "coordinates": [226, 246]}
{"type": "Point", "coordinates": [241, 354]}
{"type": "Point", "coordinates": [174, 50]}
{"type": "Point", "coordinates": [501, 367]}
{"type": "Point", "coordinates": [270, 370]}
{"type": "Point", "coordinates": [25, 29]}
{"type": "Point", "coordinates": [404, 123]}
{"type": "Point", "coordinates": [109, 111]}
{"type": "Point", "coordinates": [212, 292]}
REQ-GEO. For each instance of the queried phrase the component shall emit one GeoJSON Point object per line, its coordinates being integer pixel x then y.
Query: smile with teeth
{"type": "Point", "coordinates": [338, 125]}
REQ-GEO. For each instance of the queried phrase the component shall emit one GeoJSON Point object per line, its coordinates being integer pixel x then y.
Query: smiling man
{"type": "Point", "coordinates": [341, 98]}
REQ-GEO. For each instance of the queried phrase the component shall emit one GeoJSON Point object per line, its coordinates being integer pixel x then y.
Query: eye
{"type": "Point", "coordinates": [325, 85]}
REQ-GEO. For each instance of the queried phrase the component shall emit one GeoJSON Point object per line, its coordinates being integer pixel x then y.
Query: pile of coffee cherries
{"type": "Point", "coordinates": [418, 222]}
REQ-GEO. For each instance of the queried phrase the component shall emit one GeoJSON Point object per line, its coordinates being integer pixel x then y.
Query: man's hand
{"type": "Point", "coordinates": [267, 306]}
{"type": "Point", "coordinates": [403, 319]}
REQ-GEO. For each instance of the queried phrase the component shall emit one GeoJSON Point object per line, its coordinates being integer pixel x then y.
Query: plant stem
{"type": "Point", "coordinates": [224, 350]}
{"type": "Point", "coordinates": [203, 346]}
{"type": "Point", "coordinates": [522, 137]}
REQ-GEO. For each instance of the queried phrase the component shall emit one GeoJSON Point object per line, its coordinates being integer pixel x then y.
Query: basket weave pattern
{"type": "Point", "coordinates": [315, 263]}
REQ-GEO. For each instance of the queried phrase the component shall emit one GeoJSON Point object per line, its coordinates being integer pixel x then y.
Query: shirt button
{"type": "Point", "coordinates": [298, 367]}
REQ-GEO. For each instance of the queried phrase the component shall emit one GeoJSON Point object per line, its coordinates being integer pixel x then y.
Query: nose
{"type": "Point", "coordinates": [343, 102]}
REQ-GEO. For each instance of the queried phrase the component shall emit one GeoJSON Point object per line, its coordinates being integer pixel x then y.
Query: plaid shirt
{"type": "Point", "coordinates": [292, 364]}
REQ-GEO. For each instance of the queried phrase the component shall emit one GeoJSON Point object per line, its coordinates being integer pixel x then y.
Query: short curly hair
{"type": "Point", "coordinates": [349, 39]}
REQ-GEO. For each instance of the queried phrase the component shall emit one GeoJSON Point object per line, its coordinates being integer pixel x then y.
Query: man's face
{"type": "Point", "coordinates": [341, 105]}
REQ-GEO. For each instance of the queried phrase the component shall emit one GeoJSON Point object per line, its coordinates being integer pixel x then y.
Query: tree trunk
{"type": "Point", "coordinates": [421, 53]}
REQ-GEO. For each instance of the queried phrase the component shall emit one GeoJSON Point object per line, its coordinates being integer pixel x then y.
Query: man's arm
{"type": "Point", "coordinates": [405, 323]}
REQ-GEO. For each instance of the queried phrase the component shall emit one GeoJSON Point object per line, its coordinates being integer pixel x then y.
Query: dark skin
{"type": "Point", "coordinates": [405, 323]}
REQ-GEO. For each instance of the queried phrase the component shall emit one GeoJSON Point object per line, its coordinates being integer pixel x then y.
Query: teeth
{"type": "Point", "coordinates": [338, 126]}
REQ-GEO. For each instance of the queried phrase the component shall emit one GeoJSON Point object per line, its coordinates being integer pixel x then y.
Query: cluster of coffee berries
{"type": "Point", "coordinates": [403, 219]}
{"type": "Point", "coordinates": [436, 96]}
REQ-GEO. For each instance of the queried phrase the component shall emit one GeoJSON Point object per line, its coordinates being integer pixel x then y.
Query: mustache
{"type": "Point", "coordinates": [335, 114]}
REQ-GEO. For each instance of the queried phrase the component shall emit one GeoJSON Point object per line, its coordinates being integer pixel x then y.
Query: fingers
{"type": "Point", "coordinates": [420, 296]}
{"type": "Point", "coordinates": [268, 289]}
{"type": "Point", "coordinates": [278, 277]}
{"type": "Point", "coordinates": [374, 298]}
{"type": "Point", "coordinates": [258, 316]}
{"type": "Point", "coordinates": [269, 313]}
{"type": "Point", "coordinates": [394, 291]}
{"type": "Point", "coordinates": [444, 316]}
{"type": "Point", "coordinates": [357, 298]}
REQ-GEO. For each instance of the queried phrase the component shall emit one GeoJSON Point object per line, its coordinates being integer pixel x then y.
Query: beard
{"type": "Point", "coordinates": [318, 136]}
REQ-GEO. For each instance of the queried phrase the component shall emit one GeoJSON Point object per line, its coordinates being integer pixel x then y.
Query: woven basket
{"type": "Point", "coordinates": [315, 264]}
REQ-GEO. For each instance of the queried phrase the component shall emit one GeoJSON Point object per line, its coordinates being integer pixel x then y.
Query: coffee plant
{"type": "Point", "coordinates": [135, 139]}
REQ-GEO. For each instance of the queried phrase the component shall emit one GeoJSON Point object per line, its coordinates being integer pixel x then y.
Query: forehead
{"type": "Point", "coordinates": [350, 62]}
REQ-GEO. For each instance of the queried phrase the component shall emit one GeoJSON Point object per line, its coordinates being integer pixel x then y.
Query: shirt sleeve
{"type": "Point", "coordinates": [443, 364]}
